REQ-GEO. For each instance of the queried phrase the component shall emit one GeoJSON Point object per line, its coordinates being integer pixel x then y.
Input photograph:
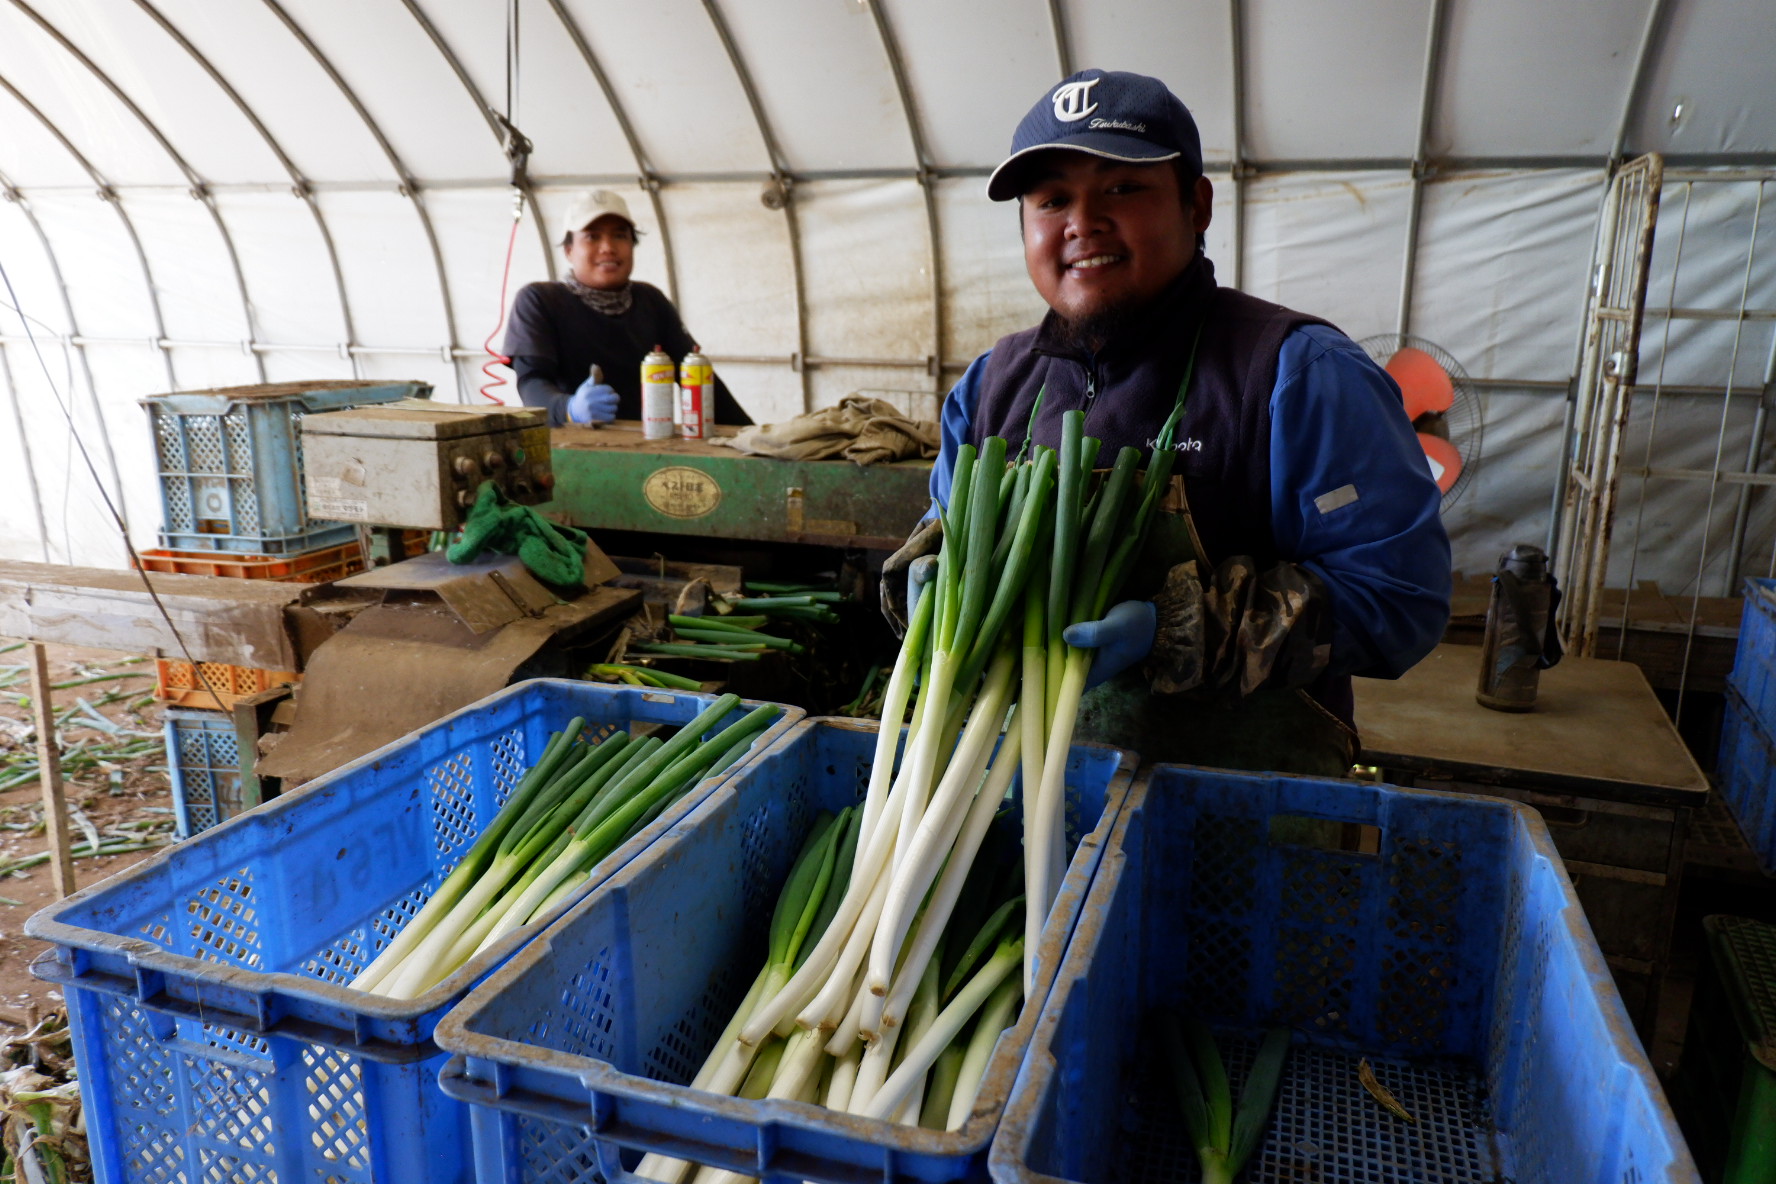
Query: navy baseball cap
{"type": "Point", "coordinates": [1108, 113]}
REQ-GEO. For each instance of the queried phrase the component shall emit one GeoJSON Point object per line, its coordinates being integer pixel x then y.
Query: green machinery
{"type": "Point", "coordinates": [613, 479]}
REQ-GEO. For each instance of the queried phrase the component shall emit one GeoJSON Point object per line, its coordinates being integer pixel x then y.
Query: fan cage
{"type": "Point", "coordinates": [1461, 425]}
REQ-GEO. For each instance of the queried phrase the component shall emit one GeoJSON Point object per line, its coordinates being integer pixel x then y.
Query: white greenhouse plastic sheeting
{"type": "Point", "coordinates": [354, 206]}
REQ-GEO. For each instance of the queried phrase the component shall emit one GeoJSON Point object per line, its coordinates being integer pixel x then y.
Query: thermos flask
{"type": "Point", "coordinates": [1520, 641]}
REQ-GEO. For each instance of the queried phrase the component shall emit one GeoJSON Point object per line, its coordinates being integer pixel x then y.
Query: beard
{"type": "Point", "coordinates": [1096, 329]}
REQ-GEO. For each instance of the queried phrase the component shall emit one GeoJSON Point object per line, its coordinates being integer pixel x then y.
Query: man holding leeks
{"type": "Point", "coordinates": [1301, 541]}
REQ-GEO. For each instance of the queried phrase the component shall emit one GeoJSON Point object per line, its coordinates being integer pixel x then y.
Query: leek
{"type": "Point", "coordinates": [1224, 1138]}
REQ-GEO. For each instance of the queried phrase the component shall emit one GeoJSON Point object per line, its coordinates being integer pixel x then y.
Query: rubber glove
{"type": "Point", "coordinates": [1123, 637]}
{"type": "Point", "coordinates": [896, 583]}
{"type": "Point", "coordinates": [922, 571]}
{"type": "Point", "coordinates": [593, 402]}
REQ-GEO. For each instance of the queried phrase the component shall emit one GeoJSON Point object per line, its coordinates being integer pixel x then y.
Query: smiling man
{"type": "Point", "coordinates": [598, 316]}
{"type": "Point", "coordinates": [1302, 542]}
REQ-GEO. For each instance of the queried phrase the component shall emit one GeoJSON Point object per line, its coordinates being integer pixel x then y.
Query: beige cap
{"type": "Point", "coordinates": [589, 207]}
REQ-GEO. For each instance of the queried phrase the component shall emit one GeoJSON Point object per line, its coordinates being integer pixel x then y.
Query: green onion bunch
{"type": "Point", "coordinates": [576, 805]}
{"type": "Point", "coordinates": [967, 993]}
{"type": "Point", "coordinates": [1029, 547]}
{"type": "Point", "coordinates": [784, 602]}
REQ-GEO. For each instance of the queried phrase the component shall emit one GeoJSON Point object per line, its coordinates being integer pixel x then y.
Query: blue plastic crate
{"type": "Point", "coordinates": [203, 761]}
{"type": "Point", "coordinates": [1754, 661]}
{"type": "Point", "coordinates": [230, 464]}
{"type": "Point", "coordinates": [215, 1035]}
{"type": "Point", "coordinates": [1435, 934]}
{"type": "Point", "coordinates": [607, 1013]}
{"type": "Point", "coordinates": [1746, 772]}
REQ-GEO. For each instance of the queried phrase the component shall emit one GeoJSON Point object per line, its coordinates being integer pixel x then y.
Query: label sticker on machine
{"type": "Point", "coordinates": [345, 509]}
{"type": "Point", "coordinates": [680, 492]}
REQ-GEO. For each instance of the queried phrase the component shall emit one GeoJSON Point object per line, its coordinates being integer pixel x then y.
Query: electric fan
{"type": "Point", "coordinates": [1441, 402]}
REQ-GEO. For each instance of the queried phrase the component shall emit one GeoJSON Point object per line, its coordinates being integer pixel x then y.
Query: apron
{"type": "Point", "coordinates": [1284, 731]}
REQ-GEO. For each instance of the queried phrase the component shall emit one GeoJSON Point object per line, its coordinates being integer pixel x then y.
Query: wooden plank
{"type": "Point", "coordinates": [49, 765]}
{"type": "Point", "coordinates": [219, 619]}
{"type": "Point", "coordinates": [1597, 729]}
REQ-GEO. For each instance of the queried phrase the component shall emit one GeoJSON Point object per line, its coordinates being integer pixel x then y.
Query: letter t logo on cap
{"type": "Point", "coordinates": [1071, 100]}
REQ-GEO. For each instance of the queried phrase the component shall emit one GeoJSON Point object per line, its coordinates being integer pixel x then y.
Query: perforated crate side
{"type": "Point", "coordinates": [1487, 1010]}
{"type": "Point", "coordinates": [213, 686]}
{"type": "Point", "coordinates": [210, 979]}
{"type": "Point", "coordinates": [203, 763]}
{"type": "Point", "coordinates": [1747, 774]}
{"type": "Point", "coordinates": [305, 567]}
{"type": "Point", "coordinates": [615, 1007]}
{"type": "Point", "coordinates": [1754, 658]}
{"type": "Point", "coordinates": [230, 464]}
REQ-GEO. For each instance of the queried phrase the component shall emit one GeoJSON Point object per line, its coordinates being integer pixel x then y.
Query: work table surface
{"type": "Point", "coordinates": [1597, 728]}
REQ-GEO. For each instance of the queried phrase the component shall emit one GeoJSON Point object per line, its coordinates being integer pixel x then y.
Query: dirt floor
{"type": "Point", "coordinates": [116, 779]}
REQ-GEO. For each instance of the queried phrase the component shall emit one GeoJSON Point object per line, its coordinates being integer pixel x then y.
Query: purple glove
{"type": "Point", "coordinates": [1123, 637]}
{"type": "Point", "coordinates": [593, 402]}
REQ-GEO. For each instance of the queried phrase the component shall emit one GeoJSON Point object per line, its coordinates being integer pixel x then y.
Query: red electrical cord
{"type": "Point", "coordinates": [494, 357]}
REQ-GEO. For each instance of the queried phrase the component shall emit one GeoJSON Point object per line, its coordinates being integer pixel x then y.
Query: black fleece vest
{"type": "Point", "coordinates": [1130, 386]}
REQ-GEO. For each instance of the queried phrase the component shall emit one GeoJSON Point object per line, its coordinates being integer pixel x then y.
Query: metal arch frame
{"type": "Point", "coordinates": [784, 180]}
{"type": "Point", "coordinates": [12, 393]}
{"type": "Point", "coordinates": [1057, 23]}
{"type": "Point", "coordinates": [649, 176]}
{"type": "Point", "coordinates": [1651, 42]}
{"type": "Point", "coordinates": [1238, 169]}
{"type": "Point", "coordinates": [1436, 42]}
{"type": "Point", "coordinates": [199, 188]}
{"type": "Point", "coordinates": [18, 422]}
{"type": "Point", "coordinates": [108, 195]}
{"type": "Point", "coordinates": [299, 184]}
{"type": "Point", "coordinates": [520, 180]}
{"type": "Point", "coordinates": [1678, 166]}
{"type": "Point", "coordinates": [927, 187]}
{"type": "Point", "coordinates": [409, 185]}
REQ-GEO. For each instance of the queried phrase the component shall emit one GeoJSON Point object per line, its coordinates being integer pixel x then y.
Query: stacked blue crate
{"type": "Point", "coordinates": [203, 762]}
{"type": "Point", "coordinates": [230, 463]}
{"type": "Point", "coordinates": [1434, 936]}
{"type": "Point", "coordinates": [208, 987]}
{"type": "Point", "coordinates": [1747, 765]}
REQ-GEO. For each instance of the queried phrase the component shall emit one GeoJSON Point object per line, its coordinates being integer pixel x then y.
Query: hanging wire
{"type": "Point", "coordinates": [494, 357]}
{"type": "Point", "coordinates": [517, 150]}
{"type": "Point", "coordinates": [1719, 446]}
{"type": "Point", "coordinates": [110, 506]}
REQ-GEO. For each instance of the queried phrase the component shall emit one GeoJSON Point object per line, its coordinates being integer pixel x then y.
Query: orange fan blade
{"type": "Point", "coordinates": [1445, 461]}
{"type": "Point", "coordinates": [1423, 382]}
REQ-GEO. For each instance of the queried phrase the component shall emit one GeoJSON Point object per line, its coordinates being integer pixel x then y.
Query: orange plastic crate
{"type": "Point", "coordinates": [309, 567]}
{"type": "Point", "coordinates": [177, 682]}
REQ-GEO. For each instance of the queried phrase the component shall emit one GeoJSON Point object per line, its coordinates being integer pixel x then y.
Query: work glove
{"type": "Point", "coordinates": [1245, 629]}
{"type": "Point", "coordinates": [1121, 638]}
{"type": "Point", "coordinates": [593, 402]}
{"type": "Point", "coordinates": [897, 587]}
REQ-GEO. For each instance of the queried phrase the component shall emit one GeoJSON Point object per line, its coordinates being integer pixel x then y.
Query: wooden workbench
{"type": "Point", "coordinates": [1598, 757]}
{"type": "Point", "coordinates": [1597, 728]}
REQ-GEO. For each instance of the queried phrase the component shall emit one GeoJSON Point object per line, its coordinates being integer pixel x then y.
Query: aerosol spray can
{"type": "Point", "coordinates": [1520, 641]}
{"type": "Point", "coordinates": [657, 395]}
{"type": "Point", "coordinates": [696, 392]}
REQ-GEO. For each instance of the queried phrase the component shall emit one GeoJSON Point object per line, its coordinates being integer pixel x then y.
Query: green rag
{"type": "Point", "coordinates": [554, 554]}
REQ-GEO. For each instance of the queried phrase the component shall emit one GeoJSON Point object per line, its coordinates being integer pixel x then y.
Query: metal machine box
{"type": "Point", "coordinates": [421, 464]}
